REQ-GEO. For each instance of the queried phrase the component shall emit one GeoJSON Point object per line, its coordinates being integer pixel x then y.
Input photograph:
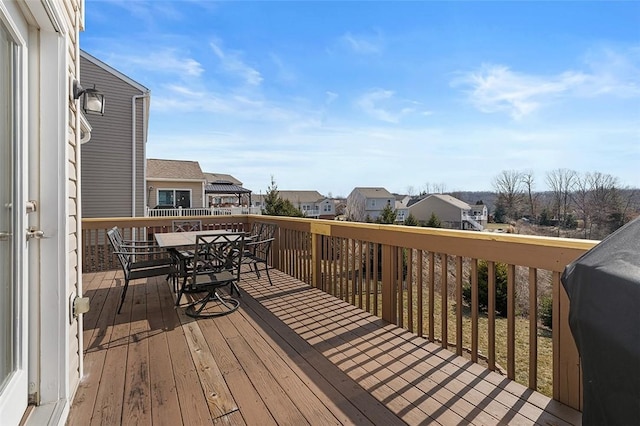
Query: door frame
{"type": "Point", "coordinates": [14, 396]}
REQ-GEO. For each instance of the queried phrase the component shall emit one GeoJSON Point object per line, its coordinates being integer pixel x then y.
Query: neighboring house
{"type": "Point", "coordinates": [340, 206]}
{"type": "Point", "coordinates": [113, 164]}
{"type": "Point", "coordinates": [367, 203]}
{"type": "Point", "coordinates": [225, 191]}
{"type": "Point", "coordinates": [175, 183]}
{"type": "Point", "coordinates": [40, 142]}
{"type": "Point", "coordinates": [452, 212]}
{"type": "Point", "coordinates": [402, 207]}
{"type": "Point", "coordinates": [310, 203]}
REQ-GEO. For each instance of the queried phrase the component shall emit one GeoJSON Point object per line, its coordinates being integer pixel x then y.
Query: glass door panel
{"type": "Point", "coordinates": [13, 256]}
{"type": "Point", "coordinates": [7, 361]}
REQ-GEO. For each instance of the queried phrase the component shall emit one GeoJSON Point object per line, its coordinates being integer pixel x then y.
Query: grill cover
{"type": "Point", "coordinates": [603, 286]}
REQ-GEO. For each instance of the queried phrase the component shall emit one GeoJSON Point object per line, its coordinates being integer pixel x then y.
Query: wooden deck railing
{"type": "Point", "coordinates": [413, 277]}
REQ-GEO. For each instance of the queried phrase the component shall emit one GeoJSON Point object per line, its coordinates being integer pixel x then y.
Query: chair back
{"type": "Point", "coordinates": [186, 225]}
{"type": "Point", "coordinates": [115, 238]}
{"type": "Point", "coordinates": [256, 229]}
{"type": "Point", "coordinates": [218, 253]}
{"type": "Point", "coordinates": [268, 230]}
{"type": "Point", "coordinates": [262, 244]}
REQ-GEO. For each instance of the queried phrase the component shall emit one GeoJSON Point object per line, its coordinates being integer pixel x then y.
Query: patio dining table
{"type": "Point", "coordinates": [179, 244]}
{"type": "Point", "coordinates": [169, 240]}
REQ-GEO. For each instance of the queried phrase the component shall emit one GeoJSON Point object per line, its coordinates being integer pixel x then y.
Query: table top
{"type": "Point", "coordinates": [179, 239]}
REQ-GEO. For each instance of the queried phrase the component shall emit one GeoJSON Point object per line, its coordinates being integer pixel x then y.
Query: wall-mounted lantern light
{"type": "Point", "coordinates": [92, 99]}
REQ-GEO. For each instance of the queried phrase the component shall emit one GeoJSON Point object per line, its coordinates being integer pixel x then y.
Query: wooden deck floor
{"type": "Point", "coordinates": [290, 355]}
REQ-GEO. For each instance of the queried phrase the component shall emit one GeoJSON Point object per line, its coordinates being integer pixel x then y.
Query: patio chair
{"type": "Point", "coordinates": [258, 250]}
{"type": "Point", "coordinates": [183, 256]}
{"type": "Point", "coordinates": [132, 243]}
{"type": "Point", "coordinates": [156, 262]}
{"type": "Point", "coordinates": [186, 225]}
{"type": "Point", "coordinates": [216, 263]}
{"type": "Point", "coordinates": [254, 232]}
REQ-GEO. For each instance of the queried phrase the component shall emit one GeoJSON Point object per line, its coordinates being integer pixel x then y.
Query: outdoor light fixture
{"type": "Point", "coordinates": [92, 99]}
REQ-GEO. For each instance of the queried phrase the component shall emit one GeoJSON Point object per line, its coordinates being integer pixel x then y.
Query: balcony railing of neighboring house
{"type": "Point", "coordinates": [413, 277]}
{"type": "Point", "coordinates": [203, 211]}
{"type": "Point", "coordinates": [311, 213]}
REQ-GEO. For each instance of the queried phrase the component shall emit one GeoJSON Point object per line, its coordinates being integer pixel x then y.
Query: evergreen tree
{"type": "Point", "coordinates": [499, 213]}
{"type": "Point", "coordinates": [274, 205]}
{"type": "Point", "coordinates": [387, 216]}
{"type": "Point", "coordinates": [483, 288]}
{"type": "Point", "coordinates": [434, 222]}
{"type": "Point", "coordinates": [411, 220]}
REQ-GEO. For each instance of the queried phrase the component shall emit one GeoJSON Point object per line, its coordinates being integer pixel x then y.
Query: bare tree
{"type": "Point", "coordinates": [605, 200]}
{"type": "Point", "coordinates": [581, 198]}
{"type": "Point", "coordinates": [509, 187]}
{"type": "Point", "coordinates": [528, 180]}
{"type": "Point", "coordinates": [560, 183]}
{"type": "Point", "coordinates": [411, 191]}
{"type": "Point", "coordinates": [439, 188]}
{"type": "Point", "coordinates": [427, 189]}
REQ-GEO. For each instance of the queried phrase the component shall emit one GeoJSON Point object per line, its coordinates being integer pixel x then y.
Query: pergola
{"type": "Point", "coordinates": [227, 188]}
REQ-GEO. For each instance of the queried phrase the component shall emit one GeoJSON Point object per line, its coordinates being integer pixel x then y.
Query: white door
{"type": "Point", "coordinates": [13, 244]}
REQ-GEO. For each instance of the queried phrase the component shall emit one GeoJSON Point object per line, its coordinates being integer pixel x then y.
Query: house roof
{"type": "Point", "coordinates": [452, 200]}
{"type": "Point", "coordinates": [174, 170]}
{"type": "Point", "coordinates": [374, 192]}
{"type": "Point", "coordinates": [301, 196]}
{"type": "Point", "coordinates": [447, 199]}
{"type": "Point", "coordinates": [221, 178]}
{"type": "Point", "coordinates": [225, 188]}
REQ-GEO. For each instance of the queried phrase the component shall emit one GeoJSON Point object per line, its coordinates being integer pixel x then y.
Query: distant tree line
{"type": "Point", "coordinates": [595, 199]}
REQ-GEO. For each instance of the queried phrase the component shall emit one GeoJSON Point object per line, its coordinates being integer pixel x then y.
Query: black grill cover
{"type": "Point", "coordinates": [603, 286]}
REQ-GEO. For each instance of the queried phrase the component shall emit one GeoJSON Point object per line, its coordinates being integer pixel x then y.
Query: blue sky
{"type": "Point", "coordinates": [328, 95]}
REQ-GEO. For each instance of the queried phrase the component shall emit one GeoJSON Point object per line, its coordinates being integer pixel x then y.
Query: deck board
{"type": "Point", "coordinates": [290, 355]}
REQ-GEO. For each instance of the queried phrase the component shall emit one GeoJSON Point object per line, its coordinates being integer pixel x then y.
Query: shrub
{"type": "Point", "coordinates": [483, 288]}
{"type": "Point", "coordinates": [434, 222]}
{"type": "Point", "coordinates": [545, 310]}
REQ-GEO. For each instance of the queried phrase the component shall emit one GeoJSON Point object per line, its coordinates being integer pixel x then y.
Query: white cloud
{"type": "Point", "coordinates": [363, 44]}
{"type": "Point", "coordinates": [232, 63]}
{"type": "Point", "coordinates": [369, 102]}
{"type": "Point", "coordinates": [330, 97]}
{"type": "Point", "coordinates": [385, 106]}
{"type": "Point", "coordinates": [163, 61]}
{"type": "Point", "coordinates": [497, 88]}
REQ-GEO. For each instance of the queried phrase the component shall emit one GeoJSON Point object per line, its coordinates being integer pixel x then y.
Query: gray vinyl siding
{"type": "Point", "coordinates": [107, 159]}
{"type": "Point", "coordinates": [449, 215]}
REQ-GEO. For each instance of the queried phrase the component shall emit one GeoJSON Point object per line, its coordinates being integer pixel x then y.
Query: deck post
{"type": "Point", "coordinates": [389, 274]}
{"type": "Point", "coordinates": [567, 377]}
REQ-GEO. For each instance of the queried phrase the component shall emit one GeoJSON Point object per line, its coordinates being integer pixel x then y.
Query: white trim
{"type": "Point", "coordinates": [47, 15]}
{"type": "Point", "coordinates": [134, 143]}
{"type": "Point", "coordinates": [54, 198]}
{"type": "Point", "coordinates": [85, 129]}
{"type": "Point", "coordinates": [15, 392]}
{"type": "Point", "coordinates": [175, 180]}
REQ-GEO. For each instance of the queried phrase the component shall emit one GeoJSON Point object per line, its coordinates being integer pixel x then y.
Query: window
{"type": "Point", "coordinates": [174, 197]}
{"type": "Point", "coordinates": [373, 203]}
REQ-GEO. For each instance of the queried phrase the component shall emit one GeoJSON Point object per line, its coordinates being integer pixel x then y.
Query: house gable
{"type": "Point", "coordinates": [113, 161]}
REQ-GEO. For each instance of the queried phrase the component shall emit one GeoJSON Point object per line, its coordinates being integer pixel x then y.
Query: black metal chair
{"type": "Point", "coordinates": [155, 262]}
{"type": "Point", "coordinates": [183, 257]}
{"type": "Point", "coordinates": [216, 264]}
{"type": "Point", "coordinates": [186, 225]}
{"type": "Point", "coordinates": [258, 250]}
